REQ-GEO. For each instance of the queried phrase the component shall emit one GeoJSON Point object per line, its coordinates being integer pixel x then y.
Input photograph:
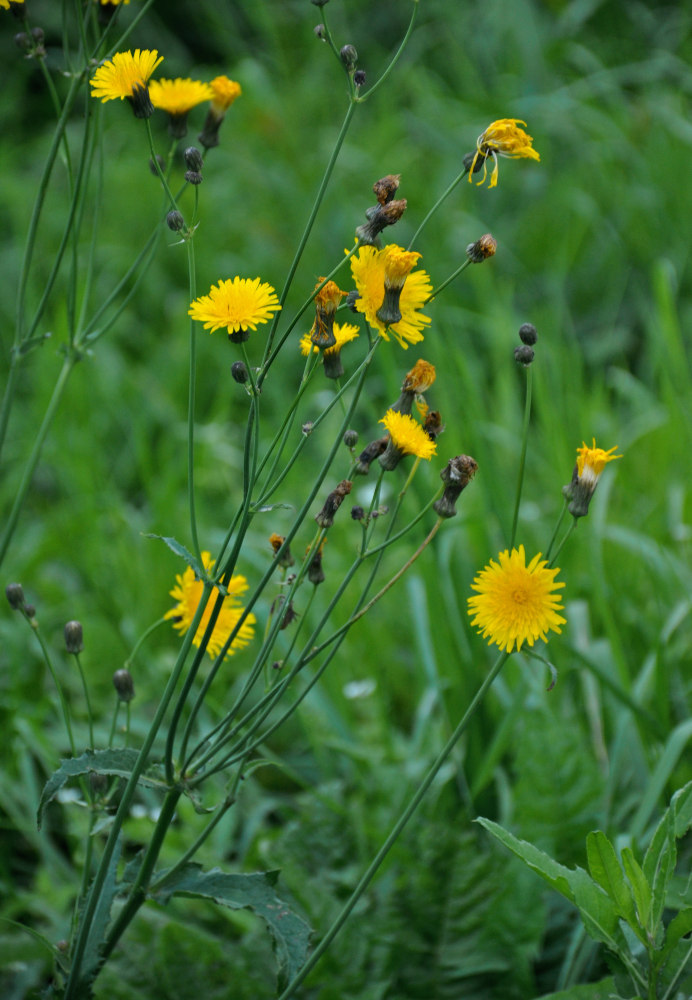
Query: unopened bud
{"type": "Point", "coordinates": [239, 372]}
{"type": "Point", "coordinates": [175, 221]}
{"type": "Point", "coordinates": [320, 32]}
{"type": "Point", "coordinates": [29, 610]}
{"type": "Point", "coordinates": [193, 158]}
{"type": "Point", "coordinates": [74, 639]}
{"type": "Point", "coordinates": [350, 438]}
{"type": "Point", "coordinates": [482, 249]}
{"type": "Point", "coordinates": [528, 334]}
{"type": "Point", "coordinates": [359, 77]}
{"type": "Point", "coordinates": [349, 57]}
{"type": "Point", "coordinates": [14, 592]}
{"type": "Point", "coordinates": [357, 513]}
{"type": "Point", "coordinates": [124, 685]}
{"type": "Point", "coordinates": [524, 355]}
{"type": "Point", "coordinates": [307, 428]}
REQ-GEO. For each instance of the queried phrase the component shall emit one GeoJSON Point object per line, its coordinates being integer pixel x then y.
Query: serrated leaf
{"type": "Point", "coordinates": [116, 761]}
{"type": "Point", "coordinates": [641, 890]}
{"type": "Point", "coordinates": [605, 869]}
{"type": "Point", "coordinates": [290, 934]}
{"type": "Point", "coordinates": [596, 909]}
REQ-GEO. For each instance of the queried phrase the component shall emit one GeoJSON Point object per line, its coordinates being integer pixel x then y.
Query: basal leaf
{"type": "Point", "coordinates": [117, 761]}
{"type": "Point", "coordinates": [290, 933]}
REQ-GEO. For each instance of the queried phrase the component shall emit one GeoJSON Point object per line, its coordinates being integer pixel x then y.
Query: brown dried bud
{"type": "Point", "coordinates": [482, 249]}
{"type": "Point", "coordinates": [325, 518]}
{"type": "Point", "coordinates": [386, 188]}
{"type": "Point", "coordinates": [286, 559]}
{"type": "Point", "coordinates": [369, 454]}
{"type": "Point", "coordinates": [456, 476]}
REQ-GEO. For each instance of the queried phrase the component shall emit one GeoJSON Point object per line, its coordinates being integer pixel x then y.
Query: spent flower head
{"type": "Point", "coordinates": [369, 268]}
{"type": "Point", "coordinates": [188, 592]}
{"type": "Point", "coordinates": [238, 304]}
{"type": "Point", "coordinates": [516, 603]}
{"type": "Point", "coordinates": [501, 138]}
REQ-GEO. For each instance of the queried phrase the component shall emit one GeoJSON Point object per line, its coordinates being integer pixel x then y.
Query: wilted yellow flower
{"type": "Point", "coordinates": [502, 138]}
{"type": "Point", "coordinates": [188, 592]}
{"type": "Point", "coordinates": [420, 378]}
{"type": "Point", "coordinates": [369, 267]}
{"type": "Point", "coordinates": [516, 603]}
{"type": "Point", "coordinates": [590, 464]}
{"type": "Point", "coordinates": [224, 93]}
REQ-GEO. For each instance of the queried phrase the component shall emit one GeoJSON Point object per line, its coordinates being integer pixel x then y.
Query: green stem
{"type": "Point", "coordinates": [87, 700]}
{"type": "Point", "coordinates": [73, 987]}
{"type": "Point", "coordinates": [558, 525]}
{"type": "Point", "coordinates": [567, 534]}
{"type": "Point", "coordinates": [448, 281]}
{"type": "Point", "coordinates": [445, 194]}
{"type": "Point", "coordinates": [61, 694]}
{"type": "Point", "coordinates": [395, 57]}
{"type": "Point", "coordinates": [32, 461]}
{"type": "Point", "coordinates": [522, 457]}
{"type": "Point", "coordinates": [143, 637]}
{"type": "Point", "coordinates": [396, 831]}
{"type": "Point", "coordinates": [191, 405]}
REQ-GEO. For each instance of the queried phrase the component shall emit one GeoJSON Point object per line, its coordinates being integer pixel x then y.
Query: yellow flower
{"type": "Point", "coordinates": [124, 75]}
{"type": "Point", "coordinates": [590, 464]}
{"type": "Point", "coordinates": [178, 96]}
{"type": "Point", "coordinates": [369, 267]}
{"type": "Point", "coordinates": [516, 603]}
{"type": "Point", "coordinates": [407, 435]}
{"type": "Point", "coordinates": [188, 591]}
{"type": "Point", "coordinates": [110, 3]}
{"type": "Point", "coordinates": [344, 332]}
{"type": "Point", "coordinates": [224, 93]}
{"type": "Point", "coordinates": [5, 4]}
{"type": "Point", "coordinates": [238, 304]}
{"type": "Point", "coordinates": [502, 138]}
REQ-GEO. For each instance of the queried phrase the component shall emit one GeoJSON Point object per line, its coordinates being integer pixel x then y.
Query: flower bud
{"type": "Point", "coordinates": [306, 428]}
{"type": "Point", "coordinates": [320, 32]}
{"type": "Point", "coordinates": [239, 372]}
{"type": "Point", "coordinates": [350, 438]}
{"type": "Point", "coordinates": [357, 513]}
{"type": "Point", "coordinates": [14, 592]}
{"type": "Point", "coordinates": [359, 77]}
{"type": "Point", "coordinates": [193, 158]}
{"type": "Point", "coordinates": [175, 221]}
{"type": "Point", "coordinates": [524, 355]}
{"type": "Point", "coordinates": [315, 571]}
{"type": "Point", "coordinates": [73, 637]}
{"type": "Point", "coordinates": [124, 685]}
{"type": "Point", "coordinates": [528, 334]}
{"type": "Point", "coordinates": [482, 249]}
{"type": "Point", "coordinates": [349, 57]}
{"type": "Point", "coordinates": [29, 610]}
{"type": "Point", "coordinates": [286, 559]}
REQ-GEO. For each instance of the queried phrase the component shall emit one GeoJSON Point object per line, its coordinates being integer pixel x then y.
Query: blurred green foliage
{"type": "Point", "coordinates": [593, 249]}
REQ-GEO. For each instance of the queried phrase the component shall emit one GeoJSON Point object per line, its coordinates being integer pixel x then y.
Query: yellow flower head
{"type": "Point", "coordinates": [178, 96]}
{"type": "Point", "coordinates": [110, 3]}
{"type": "Point", "coordinates": [368, 268]}
{"type": "Point", "coordinates": [407, 435]}
{"type": "Point", "coordinates": [224, 93]}
{"type": "Point", "coordinates": [329, 296]}
{"type": "Point", "coordinates": [5, 4]}
{"type": "Point", "coordinates": [344, 332]}
{"type": "Point", "coordinates": [516, 603]}
{"type": "Point", "coordinates": [420, 378]}
{"type": "Point", "coordinates": [398, 264]}
{"type": "Point", "coordinates": [502, 138]}
{"type": "Point", "coordinates": [188, 592]}
{"type": "Point", "coordinates": [592, 461]}
{"type": "Point", "coordinates": [124, 75]}
{"type": "Point", "coordinates": [238, 305]}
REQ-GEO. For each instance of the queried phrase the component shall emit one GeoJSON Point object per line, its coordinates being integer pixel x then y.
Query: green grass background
{"type": "Point", "coordinates": [593, 249]}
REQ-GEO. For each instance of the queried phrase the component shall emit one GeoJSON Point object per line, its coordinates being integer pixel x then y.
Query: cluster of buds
{"type": "Point", "coordinates": [14, 592]}
{"type": "Point", "coordinates": [524, 354]}
{"type": "Point", "coordinates": [194, 164]}
{"type": "Point", "coordinates": [31, 43]}
{"type": "Point", "coordinates": [386, 212]}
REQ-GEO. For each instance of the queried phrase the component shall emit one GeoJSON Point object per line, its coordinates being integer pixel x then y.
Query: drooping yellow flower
{"type": "Point", "coordinates": [188, 592]}
{"type": "Point", "coordinates": [178, 96]}
{"type": "Point", "coordinates": [407, 435]}
{"type": "Point", "coordinates": [344, 333]}
{"type": "Point", "coordinates": [502, 138]}
{"type": "Point", "coordinates": [369, 268]}
{"type": "Point", "coordinates": [516, 603]}
{"type": "Point", "coordinates": [237, 304]}
{"type": "Point", "coordinates": [590, 464]}
{"type": "Point", "coordinates": [420, 378]}
{"type": "Point", "coordinates": [224, 93]}
{"type": "Point", "coordinates": [125, 75]}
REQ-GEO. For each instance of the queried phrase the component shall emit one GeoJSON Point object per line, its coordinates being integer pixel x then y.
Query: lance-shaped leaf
{"type": "Point", "coordinates": [290, 934]}
{"type": "Point", "coordinates": [117, 761]}
{"type": "Point", "coordinates": [605, 869]}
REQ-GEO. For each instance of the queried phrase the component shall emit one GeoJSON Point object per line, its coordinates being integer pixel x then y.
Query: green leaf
{"type": "Point", "coordinates": [679, 927]}
{"type": "Point", "coordinates": [659, 864]}
{"type": "Point", "coordinates": [290, 933]}
{"type": "Point", "coordinates": [597, 910]}
{"type": "Point", "coordinates": [188, 557]}
{"type": "Point", "coordinates": [606, 871]}
{"type": "Point", "coordinates": [681, 804]}
{"type": "Point", "coordinates": [603, 990]}
{"type": "Point", "coordinates": [117, 761]}
{"type": "Point", "coordinates": [641, 890]}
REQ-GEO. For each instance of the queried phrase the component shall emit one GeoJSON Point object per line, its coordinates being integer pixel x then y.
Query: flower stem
{"type": "Point", "coordinates": [87, 700]}
{"type": "Point", "coordinates": [396, 831]}
{"type": "Point", "coordinates": [191, 403]}
{"type": "Point", "coordinates": [440, 200]}
{"type": "Point", "coordinates": [522, 457]}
